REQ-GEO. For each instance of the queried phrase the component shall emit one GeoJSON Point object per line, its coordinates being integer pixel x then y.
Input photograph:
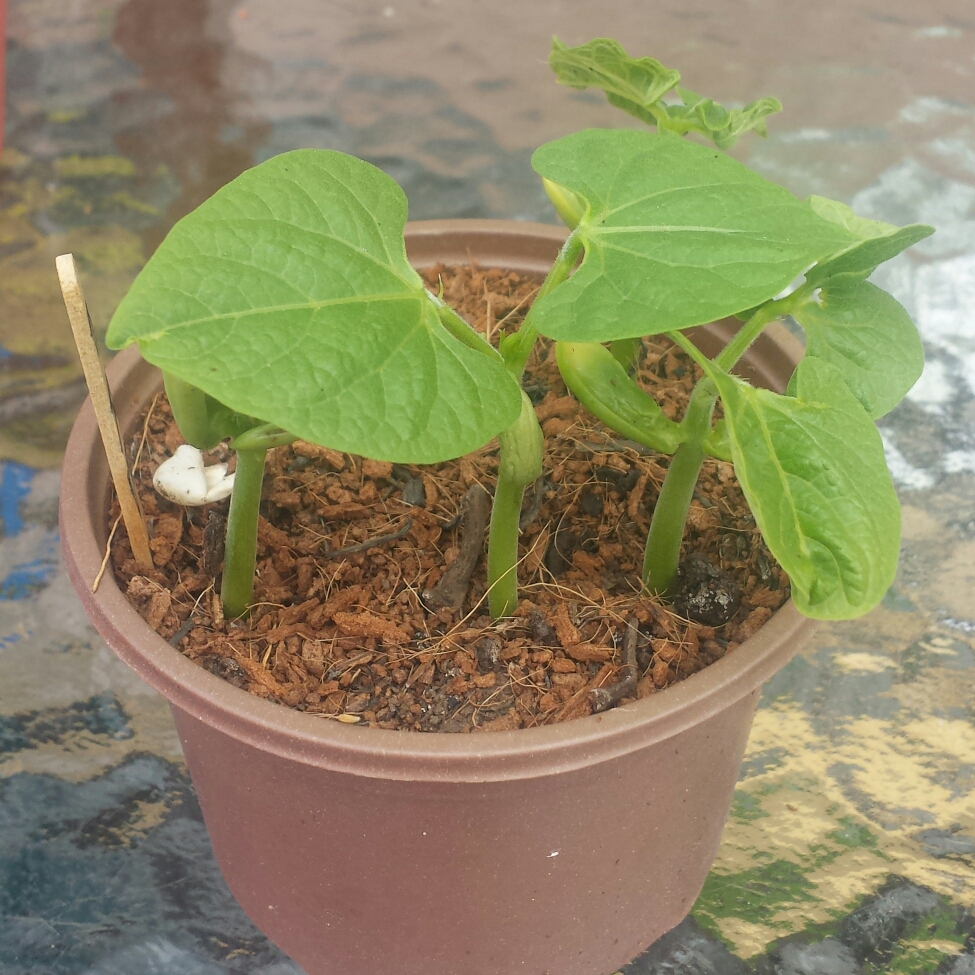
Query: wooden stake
{"type": "Point", "coordinates": [101, 398]}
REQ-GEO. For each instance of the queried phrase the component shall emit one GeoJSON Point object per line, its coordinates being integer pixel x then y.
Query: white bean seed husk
{"type": "Point", "coordinates": [185, 480]}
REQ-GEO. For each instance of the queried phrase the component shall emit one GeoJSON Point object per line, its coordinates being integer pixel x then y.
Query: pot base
{"type": "Point", "coordinates": [574, 873]}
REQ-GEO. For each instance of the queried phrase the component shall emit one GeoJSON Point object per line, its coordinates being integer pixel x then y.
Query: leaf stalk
{"type": "Point", "coordinates": [763, 315]}
{"type": "Point", "coordinates": [263, 437]}
{"type": "Point", "coordinates": [520, 465]}
{"type": "Point", "coordinates": [518, 347]}
{"type": "Point", "coordinates": [240, 555]}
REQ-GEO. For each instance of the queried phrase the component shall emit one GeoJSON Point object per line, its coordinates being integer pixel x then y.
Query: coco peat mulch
{"type": "Point", "coordinates": [370, 602]}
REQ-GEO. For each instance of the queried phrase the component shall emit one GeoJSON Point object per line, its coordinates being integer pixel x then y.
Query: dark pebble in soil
{"type": "Point", "coordinates": [628, 482]}
{"type": "Point", "coordinates": [558, 556]}
{"type": "Point", "coordinates": [225, 667]}
{"type": "Point", "coordinates": [622, 483]}
{"type": "Point", "coordinates": [488, 652]}
{"type": "Point", "coordinates": [705, 593]}
{"type": "Point", "coordinates": [590, 503]}
{"type": "Point", "coordinates": [414, 492]}
{"type": "Point", "coordinates": [541, 631]}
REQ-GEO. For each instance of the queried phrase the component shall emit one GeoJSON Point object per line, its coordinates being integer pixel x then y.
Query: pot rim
{"type": "Point", "coordinates": [374, 752]}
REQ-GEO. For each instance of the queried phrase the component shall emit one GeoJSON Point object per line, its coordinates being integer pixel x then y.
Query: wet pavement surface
{"type": "Point", "coordinates": [851, 845]}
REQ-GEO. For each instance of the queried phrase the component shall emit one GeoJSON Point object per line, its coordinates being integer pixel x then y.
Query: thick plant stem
{"type": "Point", "coordinates": [240, 555]}
{"type": "Point", "coordinates": [190, 412]}
{"type": "Point", "coordinates": [503, 547]}
{"type": "Point", "coordinates": [520, 458]}
{"type": "Point", "coordinates": [662, 554]}
{"type": "Point", "coordinates": [202, 420]}
{"type": "Point", "coordinates": [520, 463]}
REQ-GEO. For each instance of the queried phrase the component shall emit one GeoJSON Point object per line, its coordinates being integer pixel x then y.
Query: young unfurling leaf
{"type": "Point", "coordinates": [638, 85]}
{"type": "Point", "coordinates": [717, 123]}
{"type": "Point", "coordinates": [634, 84]}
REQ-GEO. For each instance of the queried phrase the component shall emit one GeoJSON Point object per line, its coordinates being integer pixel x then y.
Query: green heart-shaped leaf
{"type": "Point", "coordinates": [675, 235]}
{"type": "Point", "coordinates": [868, 336]}
{"type": "Point", "coordinates": [812, 469]}
{"type": "Point", "coordinates": [287, 296]}
{"type": "Point", "coordinates": [876, 241]}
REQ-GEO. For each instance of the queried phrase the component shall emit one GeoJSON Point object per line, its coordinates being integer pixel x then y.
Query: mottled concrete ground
{"type": "Point", "coordinates": [851, 845]}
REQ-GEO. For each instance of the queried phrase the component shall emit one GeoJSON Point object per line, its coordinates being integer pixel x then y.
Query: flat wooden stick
{"type": "Point", "coordinates": [101, 398]}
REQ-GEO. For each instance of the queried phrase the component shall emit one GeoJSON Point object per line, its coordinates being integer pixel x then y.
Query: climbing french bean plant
{"type": "Point", "coordinates": [285, 307]}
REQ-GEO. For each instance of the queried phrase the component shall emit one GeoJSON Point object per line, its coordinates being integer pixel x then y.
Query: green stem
{"type": "Point", "coordinates": [461, 330]}
{"type": "Point", "coordinates": [518, 347]}
{"type": "Point", "coordinates": [679, 338]}
{"type": "Point", "coordinates": [520, 463]}
{"type": "Point", "coordinates": [520, 457]}
{"type": "Point", "coordinates": [264, 437]}
{"type": "Point", "coordinates": [662, 555]}
{"type": "Point", "coordinates": [240, 556]}
{"type": "Point", "coordinates": [189, 405]}
{"type": "Point", "coordinates": [503, 547]}
{"type": "Point", "coordinates": [751, 330]}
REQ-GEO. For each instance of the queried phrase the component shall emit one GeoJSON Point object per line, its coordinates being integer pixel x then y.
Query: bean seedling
{"type": "Point", "coordinates": [284, 307]}
{"type": "Point", "coordinates": [676, 235]}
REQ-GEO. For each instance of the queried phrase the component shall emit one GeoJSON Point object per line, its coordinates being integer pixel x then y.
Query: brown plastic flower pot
{"type": "Point", "coordinates": [563, 850]}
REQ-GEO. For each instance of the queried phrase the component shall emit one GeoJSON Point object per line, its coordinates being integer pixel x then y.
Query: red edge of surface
{"type": "Point", "coordinates": [488, 756]}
